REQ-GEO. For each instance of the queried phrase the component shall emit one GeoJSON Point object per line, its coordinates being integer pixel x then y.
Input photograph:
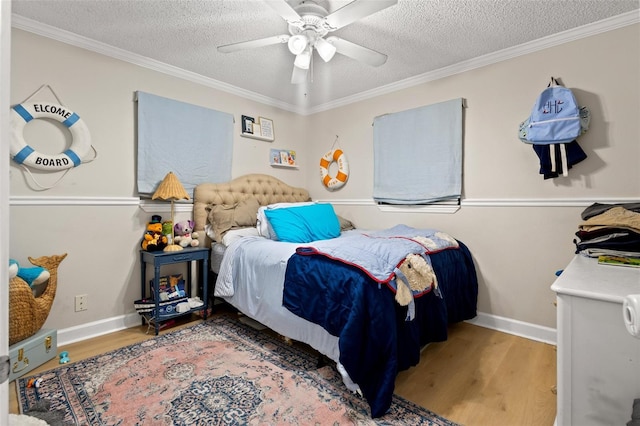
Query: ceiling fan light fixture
{"type": "Point", "coordinates": [297, 44]}
{"type": "Point", "coordinates": [303, 60]}
{"type": "Point", "coordinates": [299, 76]}
{"type": "Point", "coordinates": [325, 49]}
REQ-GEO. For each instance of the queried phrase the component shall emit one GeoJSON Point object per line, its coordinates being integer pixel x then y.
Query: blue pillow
{"type": "Point", "coordinates": [305, 223]}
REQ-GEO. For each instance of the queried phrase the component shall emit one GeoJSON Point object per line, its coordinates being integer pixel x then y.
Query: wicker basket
{"type": "Point", "coordinates": [28, 313]}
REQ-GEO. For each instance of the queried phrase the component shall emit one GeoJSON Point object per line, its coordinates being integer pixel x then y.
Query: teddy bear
{"type": "Point", "coordinates": [32, 276]}
{"type": "Point", "coordinates": [154, 239]}
{"type": "Point", "coordinates": [418, 273]}
{"type": "Point", "coordinates": [184, 235]}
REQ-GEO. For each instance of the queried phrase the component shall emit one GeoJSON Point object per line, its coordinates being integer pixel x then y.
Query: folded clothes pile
{"type": "Point", "coordinates": [609, 229]}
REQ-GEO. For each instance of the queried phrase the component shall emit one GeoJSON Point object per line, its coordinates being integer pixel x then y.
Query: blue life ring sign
{"type": "Point", "coordinates": [22, 153]}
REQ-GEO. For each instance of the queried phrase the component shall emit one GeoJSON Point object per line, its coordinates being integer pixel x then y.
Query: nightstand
{"type": "Point", "coordinates": [159, 258]}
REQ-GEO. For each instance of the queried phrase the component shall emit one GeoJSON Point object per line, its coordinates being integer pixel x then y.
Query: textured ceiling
{"type": "Point", "coordinates": [419, 36]}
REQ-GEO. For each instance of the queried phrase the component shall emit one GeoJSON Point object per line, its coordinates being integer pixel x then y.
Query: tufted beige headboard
{"type": "Point", "coordinates": [266, 189]}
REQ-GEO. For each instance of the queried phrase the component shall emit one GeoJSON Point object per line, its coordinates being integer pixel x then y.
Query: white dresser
{"type": "Point", "coordinates": [598, 360]}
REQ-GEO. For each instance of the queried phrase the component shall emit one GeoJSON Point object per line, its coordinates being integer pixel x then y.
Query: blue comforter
{"type": "Point", "coordinates": [375, 340]}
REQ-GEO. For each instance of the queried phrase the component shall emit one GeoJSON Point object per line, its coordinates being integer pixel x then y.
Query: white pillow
{"type": "Point", "coordinates": [264, 229]}
{"type": "Point", "coordinates": [235, 234]}
{"type": "Point", "coordinates": [208, 229]}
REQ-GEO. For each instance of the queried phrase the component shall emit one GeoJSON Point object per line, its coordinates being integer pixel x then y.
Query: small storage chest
{"type": "Point", "coordinates": [32, 352]}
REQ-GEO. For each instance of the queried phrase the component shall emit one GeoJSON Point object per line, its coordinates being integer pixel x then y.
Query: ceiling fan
{"type": "Point", "coordinates": [309, 23]}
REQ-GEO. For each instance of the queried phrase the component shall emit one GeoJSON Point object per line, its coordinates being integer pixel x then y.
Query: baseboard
{"type": "Point", "coordinates": [515, 327]}
{"type": "Point", "coordinates": [494, 322]}
{"type": "Point", "coordinates": [97, 328]}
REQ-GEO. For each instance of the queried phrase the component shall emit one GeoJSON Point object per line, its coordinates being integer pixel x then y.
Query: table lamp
{"type": "Point", "coordinates": [171, 189]}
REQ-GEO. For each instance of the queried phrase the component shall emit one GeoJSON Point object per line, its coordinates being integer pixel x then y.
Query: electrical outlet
{"type": "Point", "coordinates": [81, 302]}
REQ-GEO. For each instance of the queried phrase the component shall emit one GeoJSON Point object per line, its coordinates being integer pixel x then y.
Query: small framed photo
{"type": "Point", "coordinates": [266, 127]}
{"type": "Point", "coordinates": [247, 124]}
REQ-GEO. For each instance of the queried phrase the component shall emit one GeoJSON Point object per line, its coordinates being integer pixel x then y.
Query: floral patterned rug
{"type": "Point", "coordinates": [220, 372]}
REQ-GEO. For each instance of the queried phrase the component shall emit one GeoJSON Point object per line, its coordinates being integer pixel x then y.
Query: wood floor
{"type": "Point", "coordinates": [484, 377]}
{"type": "Point", "coordinates": [477, 377]}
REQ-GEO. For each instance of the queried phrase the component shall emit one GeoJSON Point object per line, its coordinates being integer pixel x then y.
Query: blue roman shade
{"type": "Point", "coordinates": [193, 142]}
{"type": "Point", "coordinates": [418, 155]}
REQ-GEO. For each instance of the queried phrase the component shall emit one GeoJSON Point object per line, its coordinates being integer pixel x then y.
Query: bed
{"type": "Point", "coordinates": [312, 292]}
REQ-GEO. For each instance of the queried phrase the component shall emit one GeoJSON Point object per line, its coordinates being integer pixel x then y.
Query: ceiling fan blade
{"type": "Point", "coordinates": [355, 10]}
{"type": "Point", "coordinates": [252, 44]}
{"type": "Point", "coordinates": [285, 10]}
{"type": "Point", "coordinates": [357, 52]}
{"type": "Point", "coordinates": [299, 75]}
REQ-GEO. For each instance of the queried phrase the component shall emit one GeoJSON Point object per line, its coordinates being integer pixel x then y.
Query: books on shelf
{"type": "Point", "coordinates": [147, 307]}
{"type": "Point", "coordinates": [169, 287]}
{"type": "Point", "coordinates": [282, 157]}
{"type": "Point", "coordinates": [633, 262]}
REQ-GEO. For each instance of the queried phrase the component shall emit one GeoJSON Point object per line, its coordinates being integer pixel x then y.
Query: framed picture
{"type": "Point", "coordinates": [247, 124]}
{"type": "Point", "coordinates": [266, 127]}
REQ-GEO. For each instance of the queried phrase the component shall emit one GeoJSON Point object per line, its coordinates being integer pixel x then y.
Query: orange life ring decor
{"type": "Point", "coordinates": [337, 156]}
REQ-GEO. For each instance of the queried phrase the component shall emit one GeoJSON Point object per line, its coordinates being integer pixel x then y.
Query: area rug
{"type": "Point", "coordinates": [219, 372]}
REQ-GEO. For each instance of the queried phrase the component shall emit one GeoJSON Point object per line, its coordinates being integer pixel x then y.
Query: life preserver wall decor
{"type": "Point", "coordinates": [22, 153]}
{"type": "Point", "coordinates": [335, 155]}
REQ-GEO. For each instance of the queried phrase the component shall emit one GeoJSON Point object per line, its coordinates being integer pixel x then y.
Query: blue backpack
{"type": "Point", "coordinates": [555, 117]}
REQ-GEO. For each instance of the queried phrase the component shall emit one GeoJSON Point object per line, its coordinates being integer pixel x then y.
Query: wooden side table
{"type": "Point", "coordinates": [159, 258]}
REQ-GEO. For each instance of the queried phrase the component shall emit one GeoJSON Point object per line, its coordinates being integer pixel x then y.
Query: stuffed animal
{"type": "Point", "coordinates": [419, 274]}
{"type": "Point", "coordinates": [32, 276]}
{"type": "Point", "coordinates": [184, 235]}
{"type": "Point", "coordinates": [167, 227]}
{"type": "Point", "coordinates": [154, 239]}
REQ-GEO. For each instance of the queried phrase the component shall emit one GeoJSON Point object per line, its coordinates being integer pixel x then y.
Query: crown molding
{"type": "Point", "coordinates": [588, 30]}
{"type": "Point", "coordinates": [35, 27]}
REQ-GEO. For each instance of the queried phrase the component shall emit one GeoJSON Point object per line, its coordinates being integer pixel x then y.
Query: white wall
{"type": "Point", "coordinates": [517, 249]}
{"type": "Point", "coordinates": [98, 221]}
{"type": "Point", "coordinates": [520, 239]}
{"type": "Point", "coordinates": [5, 46]}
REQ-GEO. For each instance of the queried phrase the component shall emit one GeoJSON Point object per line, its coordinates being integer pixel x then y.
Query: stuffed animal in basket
{"type": "Point", "coordinates": [420, 276]}
{"type": "Point", "coordinates": [184, 235]}
{"type": "Point", "coordinates": [27, 313]}
{"type": "Point", "coordinates": [33, 276]}
{"type": "Point", "coordinates": [154, 239]}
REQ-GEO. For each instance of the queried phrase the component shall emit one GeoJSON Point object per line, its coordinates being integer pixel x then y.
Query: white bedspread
{"type": "Point", "coordinates": [251, 279]}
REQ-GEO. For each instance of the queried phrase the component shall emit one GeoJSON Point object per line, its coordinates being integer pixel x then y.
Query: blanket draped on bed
{"type": "Point", "coordinates": [379, 253]}
{"type": "Point", "coordinates": [375, 341]}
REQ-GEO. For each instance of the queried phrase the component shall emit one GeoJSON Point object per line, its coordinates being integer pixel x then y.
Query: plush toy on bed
{"type": "Point", "coordinates": [184, 235]}
{"type": "Point", "coordinates": [419, 274]}
{"type": "Point", "coordinates": [154, 239]}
